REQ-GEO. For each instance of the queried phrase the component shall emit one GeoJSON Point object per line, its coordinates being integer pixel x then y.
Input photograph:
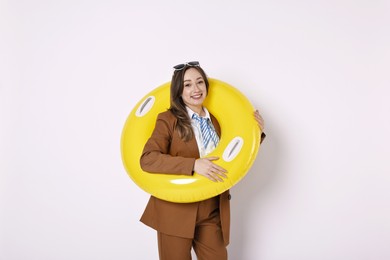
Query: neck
{"type": "Point", "coordinates": [198, 110]}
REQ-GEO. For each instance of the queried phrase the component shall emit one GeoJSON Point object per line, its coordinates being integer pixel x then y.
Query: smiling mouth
{"type": "Point", "coordinates": [197, 96]}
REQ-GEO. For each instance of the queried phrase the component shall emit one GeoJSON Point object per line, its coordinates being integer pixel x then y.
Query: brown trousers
{"type": "Point", "coordinates": [207, 242]}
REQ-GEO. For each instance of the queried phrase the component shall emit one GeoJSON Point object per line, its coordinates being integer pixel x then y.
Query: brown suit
{"type": "Point", "coordinates": [166, 152]}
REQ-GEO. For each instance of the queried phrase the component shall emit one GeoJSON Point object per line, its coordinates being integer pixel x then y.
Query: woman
{"type": "Point", "coordinates": [179, 145]}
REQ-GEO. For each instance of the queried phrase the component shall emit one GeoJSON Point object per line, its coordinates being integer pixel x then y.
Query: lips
{"type": "Point", "coordinates": [197, 96]}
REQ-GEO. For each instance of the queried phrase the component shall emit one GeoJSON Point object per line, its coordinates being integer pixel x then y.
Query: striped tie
{"type": "Point", "coordinates": [208, 134]}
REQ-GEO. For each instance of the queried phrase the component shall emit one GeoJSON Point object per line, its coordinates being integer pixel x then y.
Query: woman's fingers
{"type": "Point", "coordinates": [217, 174]}
{"type": "Point", "coordinates": [259, 119]}
{"type": "Point", "coordinates": [212, 158]}
{"type": "Point", "coordinates": [210, 170]}
{"type": "Point", "coordinates": [214, 178]}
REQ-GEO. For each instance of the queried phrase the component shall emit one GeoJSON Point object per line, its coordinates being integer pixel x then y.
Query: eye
{"type": "Point", "coordinates": [187, 85]}
{"type": "Point", "coordinates": [200, 82]}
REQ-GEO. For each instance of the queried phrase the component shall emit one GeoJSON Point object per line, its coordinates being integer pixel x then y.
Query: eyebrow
{"type": "Point", "coordinates": [195, 79]}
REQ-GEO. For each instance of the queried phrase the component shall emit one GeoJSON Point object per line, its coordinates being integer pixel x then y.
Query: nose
{"type": "Point", "coordinates": [196, 87]}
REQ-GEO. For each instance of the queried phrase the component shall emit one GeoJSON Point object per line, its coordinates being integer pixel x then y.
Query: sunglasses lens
{"type": "Point", "coordinates": [179, 67]}
{"type": "Point", "coordinates": [193, 63]}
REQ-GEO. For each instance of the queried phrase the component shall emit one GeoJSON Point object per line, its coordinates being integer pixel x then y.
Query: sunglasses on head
{"type": "Point", "coordinates": [181, 66]}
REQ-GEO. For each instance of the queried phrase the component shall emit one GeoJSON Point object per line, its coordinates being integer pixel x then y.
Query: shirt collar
{"type": "Point", "coordinates": [190, 112]}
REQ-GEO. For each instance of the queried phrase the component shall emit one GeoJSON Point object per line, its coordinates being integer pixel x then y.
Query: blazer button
{"type": "Point", "coordinates": [229, 197]}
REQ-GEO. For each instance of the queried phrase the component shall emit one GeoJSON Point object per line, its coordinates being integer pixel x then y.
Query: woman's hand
{"type": "Point", "coordinates": [259, 120]}
{"type": "Point", "coordinates": [207, 168]}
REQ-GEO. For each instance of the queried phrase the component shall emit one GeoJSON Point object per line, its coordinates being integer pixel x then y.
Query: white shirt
{"type": "Point", "coordinates": [203, 151]}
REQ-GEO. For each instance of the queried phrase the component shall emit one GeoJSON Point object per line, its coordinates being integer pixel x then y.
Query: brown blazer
{"type": "Point", "coordinates": [166, 152]}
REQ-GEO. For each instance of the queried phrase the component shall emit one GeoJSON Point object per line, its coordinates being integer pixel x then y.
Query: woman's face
{"type": "Point", "coordinates": [194, 90]}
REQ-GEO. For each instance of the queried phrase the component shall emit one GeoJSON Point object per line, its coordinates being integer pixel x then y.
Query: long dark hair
{"type": "Point", "coordinates": [178, 108]}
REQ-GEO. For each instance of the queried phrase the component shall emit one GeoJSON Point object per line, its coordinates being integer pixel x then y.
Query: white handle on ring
{"type": "Point", "coordinates": [145, 107]}
{"type": "Point", "coordinates": [232, 149]}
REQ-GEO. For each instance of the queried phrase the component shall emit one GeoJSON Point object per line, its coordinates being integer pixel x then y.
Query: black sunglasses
{"type": "Point", "coordinates": [181, 66]}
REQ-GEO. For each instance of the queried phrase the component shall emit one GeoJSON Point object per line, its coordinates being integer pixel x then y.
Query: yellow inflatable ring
{"type": "Point", "coordinates": [237, 149]}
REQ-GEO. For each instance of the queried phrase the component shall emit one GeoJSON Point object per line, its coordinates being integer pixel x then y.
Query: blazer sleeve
{"type": "Point", "coordinates": [156, 157]}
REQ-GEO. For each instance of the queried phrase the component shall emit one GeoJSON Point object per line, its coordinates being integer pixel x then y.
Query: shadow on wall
{"type": "Point", "coordinates": [247, 195]}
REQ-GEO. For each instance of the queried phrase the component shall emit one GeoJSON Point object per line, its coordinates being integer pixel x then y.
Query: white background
{"type": "Point", "coordinates": [71, 71]}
